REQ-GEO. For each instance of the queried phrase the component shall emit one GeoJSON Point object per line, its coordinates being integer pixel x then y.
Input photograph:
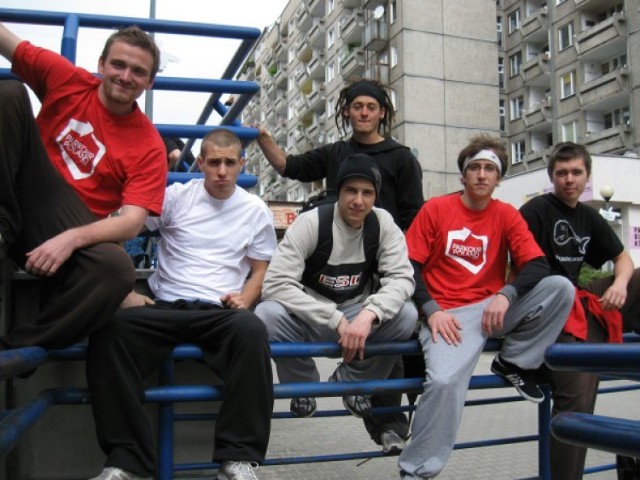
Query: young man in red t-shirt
{"type": "Point", "coordinates": [90, 153]}
{"type": "Point", "coordinates": [459, 245]}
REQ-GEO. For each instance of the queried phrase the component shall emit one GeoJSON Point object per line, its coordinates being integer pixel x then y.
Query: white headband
{"type": "Point", "coordinates": [485, 154]}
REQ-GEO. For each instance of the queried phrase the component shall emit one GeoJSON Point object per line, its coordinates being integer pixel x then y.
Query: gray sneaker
{"type": "Point", "coordinates": [392, 443]}
{"type": "Point", "coordinates": [303, 407]}
{"type": "Point", "coordinates": [238, 471]}
{"type": "Point", "coordinates": [357, 405]}
{"type": "Point", "coordinates": [114, 473]}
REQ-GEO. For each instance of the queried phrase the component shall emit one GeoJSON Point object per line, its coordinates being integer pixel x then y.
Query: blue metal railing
{"type": "Point", "coordinates": [615, 435]}
{"type": "Point", "coordinates": [72, 22]}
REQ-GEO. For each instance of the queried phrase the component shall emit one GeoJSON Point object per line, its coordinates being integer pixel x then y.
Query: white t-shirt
{"type": "Point", "coordinates": [205, 243]}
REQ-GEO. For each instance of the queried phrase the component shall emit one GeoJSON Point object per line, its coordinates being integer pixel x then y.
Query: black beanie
{"type": "Point", "coordinates": [359, 165]}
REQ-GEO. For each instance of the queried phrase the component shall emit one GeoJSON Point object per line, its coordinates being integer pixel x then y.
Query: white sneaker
{"type": "Point", "coordinates": [114, 473]}
{"type": "Point", "coordinates": [238, 471]}
{"type": "Point", "coordinates": [392, 443]}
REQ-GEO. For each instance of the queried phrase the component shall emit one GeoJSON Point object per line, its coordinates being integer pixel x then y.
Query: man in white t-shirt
{"type": "Point", "coordinates": [216, 241]}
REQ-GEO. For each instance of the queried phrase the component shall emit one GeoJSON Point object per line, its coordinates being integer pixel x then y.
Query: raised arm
{"type": "Point", "coordinates": [274, 154]}
{"type": "Point", "coordinates": [8, 42]}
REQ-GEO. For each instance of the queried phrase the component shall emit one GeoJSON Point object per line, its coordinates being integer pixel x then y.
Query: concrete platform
{"type": "Point", "coordinates": [347, 434]}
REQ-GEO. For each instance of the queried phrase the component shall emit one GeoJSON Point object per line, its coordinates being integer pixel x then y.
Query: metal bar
{"type": "Point", "coordinates": [14, 425]}
{"type": "Point", "coordinates": [619, 359]}
{"type": "Point", "coordinates": [610, 434]}
{"type": "Point", "coordinates": [165, 426]}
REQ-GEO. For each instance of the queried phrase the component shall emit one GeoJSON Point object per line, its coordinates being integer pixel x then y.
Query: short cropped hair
{"type": "Point", "coordinates": [484, 142]}
{"type": "Point", "coordinates": [136, 37]}
{"type": "Point", "coordinates": [223, 138]}
{"type": "Point", "coordinates": [565, 151]}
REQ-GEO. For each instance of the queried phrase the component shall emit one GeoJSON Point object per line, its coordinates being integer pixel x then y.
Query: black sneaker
{"type": "Point", "coordinates": [303, 407]}
{"type": "Point", "coordinates": [357, 405]}
{"type": "Point", "coordinates": [521, 379]}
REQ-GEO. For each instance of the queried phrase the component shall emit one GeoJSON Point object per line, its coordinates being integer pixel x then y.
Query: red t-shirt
{"type": "Point", "coordinates": [465, 252]}
{"type": "Point", "coordinates": [110, 160]}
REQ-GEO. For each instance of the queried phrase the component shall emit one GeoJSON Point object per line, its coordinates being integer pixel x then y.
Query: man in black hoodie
{"type": "Point", "coordinates": [366, 107]}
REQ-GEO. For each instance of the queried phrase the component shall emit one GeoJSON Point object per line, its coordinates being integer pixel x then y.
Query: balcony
{"type": "Point", "coordinates": [376, 36]}
{"type": "Point", "coordinates": [280, 104]}
{"type": "Point", "coordinates": [303, 49]}
{"type": "Point", "coordinates": [280, 77]}
{"type": "Point", "coordinates": [315, 7]}
{"type": "Point", "coordinates": [352, 62]}
{"type": "Point", "coordinates": [352, 27]}
{"type": "Point", "coordinates": [606, 90]}
{"type": "Point", "coordinates": [316, 65]}
{"type": "Point", "coordinates": [535, 72]}
{"type": "Point", "coordinates": [603, 40]}
{"type": "Point", "coordinates": [316, 34]}
{"type": "Point", "coordinates": [304, 19]}
{"type": "Point", "coordinates": [300, 75]}
{"type": "Point", "coordinates": [316, 97]}
{"type": "Point", "coordinates": [534, 27]}
{"type": "Point", "coordinates": [538, 117]}
{"type": "Point", "coordinates": [316, 127]}
{"type": "Point", "coordinates": [280, 49]}
{"type": "Point", "coordinates": [379, 72]}
{"type": "Point", "coordinates": [615, 139]}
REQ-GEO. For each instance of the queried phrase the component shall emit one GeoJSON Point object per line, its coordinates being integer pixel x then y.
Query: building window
{"type": "Point", "coordinates": [330, 107]}
{"type": "Point", "coordinates": [568, 84]}
{"type": "Point", "coordinates": [502, 113]}
{"type": "Point", "coordinates": [330, 38]}
{"type": "Point", "coordinates": [517, 152]}
{"type": "Point", "coordinates": [558, 2]}
{"type": "Point", "coordinates": [394, 99]}
{"type": "Point", "coordinates": [565, 36]}
{"type": "Point", "coordinates": [499, 30]}
{"type": "Point", "coordinates": [393, 53]}
{"type": "Point", "coordinates": [617, 117]}
{"type": "Point", "coordinates": [517, 107]}
{"type": "Point", "coordinates": [570, 132]}
{"type": "Point", "coordinates": [515, 62]}
{"type": "Point", "coordinates": [331, 72]}
{"type": "Point", "coordinates": [514, 21]}
{"type": "Point", "coordinates": [500, 72]}
{"type": "Point", "coordinates": [393, 11]}
{"type": "Point", "coordinates": [330, 6]}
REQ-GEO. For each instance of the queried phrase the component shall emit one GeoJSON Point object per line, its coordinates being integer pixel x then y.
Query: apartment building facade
{"type": "Point", "coordinates": [566, 73]}
{"type": "Point", "coordinates": [536, 72]}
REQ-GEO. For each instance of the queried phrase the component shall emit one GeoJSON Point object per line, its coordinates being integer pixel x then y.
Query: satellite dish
{"type": "Point", "coordinates": [378, 13]}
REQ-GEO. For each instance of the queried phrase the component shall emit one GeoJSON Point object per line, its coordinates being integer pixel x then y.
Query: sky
{"type": "Point", "coordinates": [198, 57]}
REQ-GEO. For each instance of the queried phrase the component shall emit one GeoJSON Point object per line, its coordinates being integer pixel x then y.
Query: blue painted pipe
{"type": "Point", "coordinates": [614, 359]}
{"type": "Point", "coordinates": [610, 434]}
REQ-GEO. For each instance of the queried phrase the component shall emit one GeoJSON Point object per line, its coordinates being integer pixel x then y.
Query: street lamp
{"type": "Point", "coordinates": [606, 192]}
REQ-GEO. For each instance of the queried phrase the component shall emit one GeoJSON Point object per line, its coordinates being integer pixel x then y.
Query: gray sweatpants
{"type": "Point", "coordinates": [283, 327]}
{"type": "Point", "coordinates": [531, 324]}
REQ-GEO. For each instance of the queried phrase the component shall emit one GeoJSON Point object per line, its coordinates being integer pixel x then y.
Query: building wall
{"type": "Point", "coordinates": [576, 78]}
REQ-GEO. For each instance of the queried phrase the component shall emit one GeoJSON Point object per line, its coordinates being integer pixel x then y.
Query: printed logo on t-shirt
{"type": "Point", "coordinates": [467, 249]}
{"type": "Point", "coordinates": [80, 149]}
{"type": "Point", "coordinates": [564, 233]}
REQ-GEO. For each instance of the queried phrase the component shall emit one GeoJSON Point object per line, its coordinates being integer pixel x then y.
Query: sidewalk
{"type": "Point", "coordinates": [299, 437]}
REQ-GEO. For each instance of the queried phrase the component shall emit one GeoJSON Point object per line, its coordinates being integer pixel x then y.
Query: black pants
{"type": "Point", "coordinates": [576, 391]}
{"type": "Point", "coordinates": [36, 204]}
{"type": "Point", "coordinates": [127, 350]}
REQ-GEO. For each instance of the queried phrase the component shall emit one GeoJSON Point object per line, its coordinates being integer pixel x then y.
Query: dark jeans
{"type": "Point", "coordinates": [36, 204]}
{"type": "Point", "coordinates": [576, 391]}
{"type": "Point", "coordinates": [127, 350]}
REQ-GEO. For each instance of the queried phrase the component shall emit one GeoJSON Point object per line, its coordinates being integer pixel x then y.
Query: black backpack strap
{"type": "Point", "coordinates": [371, 241]}
{"type": "Point", "coordinates": [320, 256]}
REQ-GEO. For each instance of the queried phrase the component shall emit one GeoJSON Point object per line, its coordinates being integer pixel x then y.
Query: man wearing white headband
{"type": "Point", "coordinates": [459, 246]}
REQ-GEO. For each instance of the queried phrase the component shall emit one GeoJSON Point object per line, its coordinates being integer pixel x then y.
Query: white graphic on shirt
{"type": "Point", "coordinates": [467, 249]}
{"type": "Point", "coordinates": [564, 233]}
{"type": "Point", "coordinates": [80, 149]}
